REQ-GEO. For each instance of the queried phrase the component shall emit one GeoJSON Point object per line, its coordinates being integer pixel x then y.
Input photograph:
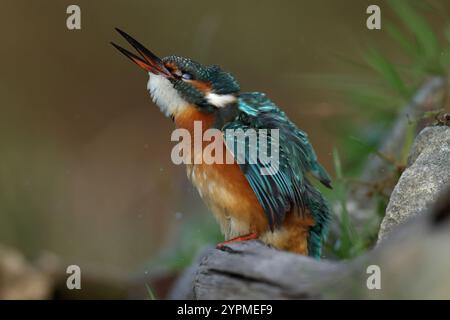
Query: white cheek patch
{"type": "Point", "coordinates": [220, 100]}
{"type": "Point", "coordinates": [164, 95]}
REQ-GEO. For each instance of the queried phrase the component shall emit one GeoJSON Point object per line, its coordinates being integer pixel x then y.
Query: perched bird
{"type": "Point", "coordinates": [282, 209]}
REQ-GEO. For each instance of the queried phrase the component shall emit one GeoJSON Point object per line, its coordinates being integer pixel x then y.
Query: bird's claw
{"type": "Point", "coordinates": [251, 236]}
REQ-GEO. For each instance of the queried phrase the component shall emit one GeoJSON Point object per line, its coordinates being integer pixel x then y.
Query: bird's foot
{"type": "Point", "coordinates": [251, 236]}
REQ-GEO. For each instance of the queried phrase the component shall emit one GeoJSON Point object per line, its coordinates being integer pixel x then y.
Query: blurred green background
{"type": "Point", "coordinates": [85, 169]}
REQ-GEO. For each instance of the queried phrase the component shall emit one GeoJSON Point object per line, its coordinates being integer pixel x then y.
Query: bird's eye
{"type": "Point", "coordinates": [186, 76]}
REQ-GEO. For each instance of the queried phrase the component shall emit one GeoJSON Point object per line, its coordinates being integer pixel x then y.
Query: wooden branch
{"type": "Point", "coordinates": [250, 270]}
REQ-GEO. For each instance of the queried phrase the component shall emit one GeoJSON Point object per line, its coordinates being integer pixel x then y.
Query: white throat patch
{"type": "Point", "coordinates": [164, 95]}
{"type": "Point", "coordinates": [220, 100]}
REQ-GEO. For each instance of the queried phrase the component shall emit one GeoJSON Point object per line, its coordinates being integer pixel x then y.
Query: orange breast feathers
{"type": "Point", "coordinates": [223, 187]}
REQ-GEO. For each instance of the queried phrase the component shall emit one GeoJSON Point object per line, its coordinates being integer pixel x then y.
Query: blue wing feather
{"type": "Point", "coordinates": [288, 188]}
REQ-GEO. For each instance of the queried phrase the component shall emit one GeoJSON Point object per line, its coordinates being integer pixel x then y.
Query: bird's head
{"type": "Point", "coordinates": [176, 82]}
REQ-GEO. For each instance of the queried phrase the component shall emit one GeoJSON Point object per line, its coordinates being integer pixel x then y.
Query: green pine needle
{"type": "Point", "coordinates": [150, 293]}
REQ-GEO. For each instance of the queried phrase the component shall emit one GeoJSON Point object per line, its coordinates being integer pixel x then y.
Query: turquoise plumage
{"type": "Point", "coordinates": [289, 188]}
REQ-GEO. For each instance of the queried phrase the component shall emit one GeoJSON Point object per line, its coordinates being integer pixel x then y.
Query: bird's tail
{"type": "Point", "coordinates": [320, 210]}
{"type": "Point", "coordinates": [322, 175]}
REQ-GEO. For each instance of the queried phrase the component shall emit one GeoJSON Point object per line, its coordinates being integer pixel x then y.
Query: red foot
{"type": "Point", "coordinates": [247, 237]}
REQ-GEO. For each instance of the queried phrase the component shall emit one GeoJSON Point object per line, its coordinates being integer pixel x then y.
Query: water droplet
{"type": "Point", "coordinates": [178, 215]}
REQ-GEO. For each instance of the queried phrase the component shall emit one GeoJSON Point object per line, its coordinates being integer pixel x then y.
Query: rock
{"type": "Point", "coordinates": [425, 178]}
{"type": "Point", "coordinates": [21, 280]}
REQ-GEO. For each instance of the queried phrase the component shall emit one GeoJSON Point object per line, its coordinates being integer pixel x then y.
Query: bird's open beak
{"type": "Point", "coordinates": [148, 61]}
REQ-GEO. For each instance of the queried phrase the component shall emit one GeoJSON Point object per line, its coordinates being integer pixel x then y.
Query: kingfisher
{"type": "Point", "coordinates": [282, 209]}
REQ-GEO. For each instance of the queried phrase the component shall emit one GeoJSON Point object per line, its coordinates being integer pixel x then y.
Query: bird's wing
{"type": "Point", "coordinates": [286, 188]}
